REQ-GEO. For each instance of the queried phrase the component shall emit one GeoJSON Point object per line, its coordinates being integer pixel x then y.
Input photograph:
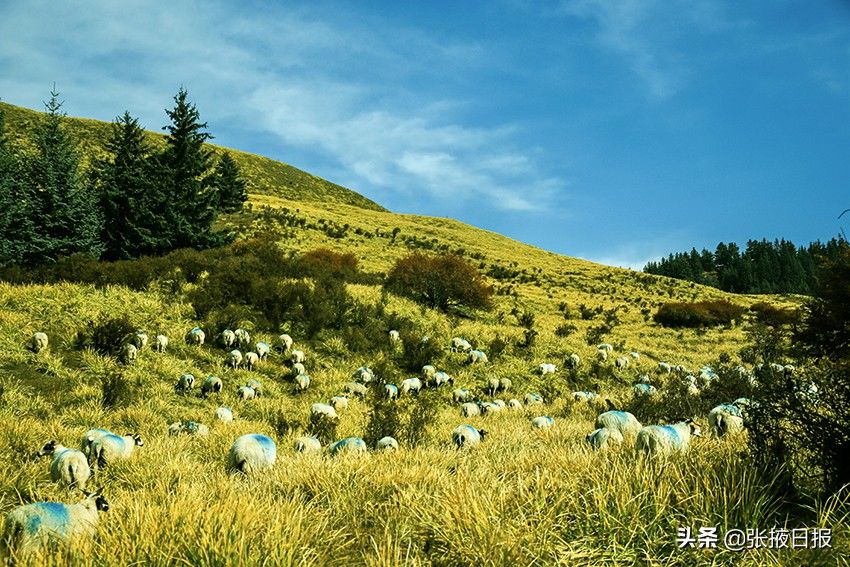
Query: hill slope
{"type": "Point", "coordinates": [264, 175]}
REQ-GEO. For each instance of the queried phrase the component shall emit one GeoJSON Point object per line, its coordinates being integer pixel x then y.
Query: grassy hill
{"type": "Point", "coordinates": [524, 497]}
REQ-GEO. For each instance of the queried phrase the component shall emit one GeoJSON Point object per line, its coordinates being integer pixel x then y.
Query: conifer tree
{"type": "Point", "coordinates": [14, 223]}
{"type": "Point", "coordinates": [230, 185]}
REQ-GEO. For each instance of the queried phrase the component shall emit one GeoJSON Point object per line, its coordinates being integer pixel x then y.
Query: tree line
{"type": "Point", "coordinates": [762, 267]}
{"type": "Point", "coordinates": [136, 200]}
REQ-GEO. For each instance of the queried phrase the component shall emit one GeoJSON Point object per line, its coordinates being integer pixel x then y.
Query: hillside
{"type": "Point", "coordinates": [264, 175]}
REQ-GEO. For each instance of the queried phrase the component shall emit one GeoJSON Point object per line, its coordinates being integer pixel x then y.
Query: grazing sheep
{"type": "Point", "coordinates": [251, 453]}
{"type": "Point", "coordinates": [394, 336]}
{"type": "Point", "coordinates": [635, 355]}
{"type": "Point", "coordinates": [725, 418]}
{"type": "Point", "coordinates": [245, 393]}
{"type": "Point", "coordinates": [243, 339]}
{"type": "Point", "coordinates": [460, 344]}
{"type": "Point", "coordinates": [189, 428]}
{"type": "Point", "coordinates": [505, 384]}
{"type": "Point", "coordinates": [139, 339]}
{"type": "Point", "coordinates": [467, 436]}
{"type": "Point", "coordinates": [363, 374]}
{"type": "Point", "coordinates": [621, 363]}
{"type": "Point", "coordinates": [224, 414]}
{"type": "Point", "coordinates": [491, 407]}
{"type": "Point", "coordinates": [31, 527]}
{"type": "Point", "coordinates": [302, 382]}
{"type": "Point", "coordinates": [542, 422]}
{"type": "Point", "coordinates": [411, 385]}
{"type": "Point", "coordinates": [307, 444]}
{"type": "Point", "coordinates": [38, 342]}
{"type": "Point", "coordinates": [585, 396]}
{"type": "Point", "coordinates": [256, 386]}
{"type": "Point", "coordinates": [324, 411]}
{"type": "Point", "coordinates": [665, 440]}
{"type": "Point", "coordinates": [461, 395]}
{"type": "Point", "coordinates": [573, 361]}
{"type": "Point", "coordinates": [195, 337]}
{"type": "Point", "coordinates": [546, 368]}
{"type": "Point", "coordinates": [69, 466]}
{"type": "Point", "coordinates": [90, 437]}
{"type": "Point", "coordinates": [476, 357]}
{"type": "Point", "coordinates": [644, 379]}
{"type": "Point", "coordinates": [391, 391]}
{"type": "Point", "coordinates": [514, 404]}
{"type": "Point", "coordinates": [493, 386]}
{"type": "Point", "coordinates": [386, 444]}
{"type": "Point", "coordinates": [227, 338]}
{"type": "Point", "coordinates": [356, 389]}
{"type": "Point", "coordinates": [284, 343]}
{"type": "Point", "coordinates": [161, 343]}
{"type": "Point", "coordinates": [533, 398]}
{"type": "Point", "coordinates": [212, 384]}
{"type": "Point", "coordinates": [111, 448]}
{"type": "Point", "coordinates": [606, 347]}
{"type": "Point", "coordinates": [470, 409]}
{"type": "Point", "coordinates": [262, 349]}
{"type": "Point", "coordinates": [349, 445]}
{"type": "Point", "coordinates": [428, 372]}
{"type": "Point", "coordinates": [644, 390]}
{"type": "Point", "coordinates": [665, 368]}
{"type": "Point", "coordinates": [185, 383]}
{"type": "Point", "coordinates": [604, 438]}
{"type": "Point", "coordinates": [441, 378]}
{"type": "Point", "coordinates": [339, 402]}
{"type": "Point", "coordinates": [234, 359]}
{"type": "Point", "coordinates": [297, 369]}
{"type": "Point", "coordinates": [601, 355]}
{"type": "Point", "coordinates": [621, 421]}
{"type": "Point", "coordinates": [297, 356]}
{"type": "Point", "coordinates": [129, 352]}
{"type": "Point", "coordinates": [251, 360]}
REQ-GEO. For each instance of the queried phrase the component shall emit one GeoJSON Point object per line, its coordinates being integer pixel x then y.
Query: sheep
{"type": "Point", "coordinates": [262, 349]}
{"type": "Point", "coordinates": [461, 395]}
{"type": "Point", "coordinates": [227, 338]}
{"type": "Point", "coordinates": [495, 385]}
{"type": "Point", "coordinates": [31, 527]}
{"type": "Point", "coordinates": [111, 448]}
{"type": "Point", "coordinates": [386, 444]}
{"type": "Point", "coordinates": [234, 359]}
{"type": "Point", "coordinates": [808, 392]}
{"type": "Point", "coordinates": [307, 444]}
{"type": "Point", "coordinates": [224, 414]}
{"type": "Point", "coordinates": [623, 422]}
{"type": "Point", "coordinates": [302, 382]}
{"type": "Point", "coordinates": [284, 343]}
{"type": "Point", "coordinates": [621, 363]}
{"type": "Point", "coordinates": [470, 409]}
{"type": "Point", "coordinates": [665, 440]}
{"type": "Point", "coordinates": [185, 383]}
{"type": "Point", "coordinates": [251, 453]}
{"type": "Point", "coordinates": [491, 407]}
{"type": "Point", "coordinates": [324, 411]}
{"type": "Point", "coordinates": [707, 375]}
{"type": "Point", "coordinates": [546, 368]}
{"type": "Point", "coordinates": [245, 393]}
{"type": "Point", "coordinates": [725, 418]}
{"type": "Point", "coordinates": [606, 347]}
{"type": "Point", "coordinates": [161, 343]}
{"type": "Point", "coordinates": [644, 390]}
{"type": "Point", "coordinates": [90, 437]}
{"type": "Point", "coordinates": [601, 355]}
{"type": "Point", "coordinates": [297, 356]}
{"type": "Point", "coordinates": [391, 391]}
{"type": "Point", "coordinates": [604, 438]}
{"type": "Point", "coordinates": [363, 374]}
{"type": "Point", "coordinates": [665, 368]}
{"type": "Point", "coordinates": [350, 445]}
{"type": "Point", "coordinates": [195, 337]}
{"type": "Point", "coordinates": [355, 388]}
{"type": "Point", "coordinates": [339, 402]}
{"type": "Point", "coordinates": [251, 359]}
{"type": "Point", "coordinates": [441, 378]}
{"type": "Point", "coordinates": [573, 361]}
{"type": "Point", "coordinates": [635, 355]}
{"type": "Point", "coordinates": [459, 344]}
{"type": "Point", "coordinates": [428, 372]}
{"type": "Point", "coordinates": [584, 396]}
{"type": "Point", "coordinates": [466, 436]}
{"type": "Point", "coordinates": [256, 386]}
{"type": "Point", "coordinates": [69, 466]}
{"type": "Point", "coordinates": [139, 339]}
{"type": "Point", "coordinates": [542, 422]}
{"type": "Point", "coordinates": [212, 384]}
{"type": "Point", "coordinates": [38, 342]}
{"type": "Point", "coordinates": [129, 352]}
{"type": "Point", "coordinates": [394, 336]}
{"type": "Point", "coordinates": [243, 339]}
{"type": "Point", "coordinates": [514, 404]}
{"type": "Point", "coordinates": [644, 379]}
{"type": "Point", "coordinates": [411, 385]}
{"type": "Point", "coordinates": [533, 398]}
{"type": "Point", "coordinates": [476, 357]}
{"type": "Point", "coordinates": [297, 369]}
{"type": "Point", "coordinates": [189, 428]}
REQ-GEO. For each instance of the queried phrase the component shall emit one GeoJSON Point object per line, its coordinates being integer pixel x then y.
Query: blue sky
{"type": "Point", "coordinates": [615, 131]}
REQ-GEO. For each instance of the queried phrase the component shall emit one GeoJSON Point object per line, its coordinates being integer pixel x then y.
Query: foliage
{"type": "Point", "coordinates": [326, 262]}
{"type": "Point", "coordinates": [229, 184]}
{"type": "Point", "coordinates": [385, 418]}
{"type": "Point", "coordinates": [439, 281]}
{"type": "Point", "coordinates": [419, 349]}
{"type": "Point", "coordinates": [826, 332]}
{"type": "Point", "coordinates": [106, 336]}
{"type": "Point", "coordinates": [774, 316]}
{"type": "Point", "coordinates": [698, 314]}
{"type": "Point", "coordinates": [116, 392]}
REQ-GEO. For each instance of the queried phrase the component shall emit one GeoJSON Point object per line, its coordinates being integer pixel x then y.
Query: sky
{"type": "Point", "coordinates": [617, 131]}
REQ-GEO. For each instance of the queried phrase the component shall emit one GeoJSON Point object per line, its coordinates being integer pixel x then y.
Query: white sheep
{"type": "Point", "coordinates": [514, 404]}
{"type": "Point", "coordinates": [251, 453]}
{"type": "Point", "coordinates": [227, 338]}
{"type": "Point", "coordinates": [356, 389]}
{"type": "Point", "coordinates": [621, 421]}
{"type": "Point", "coordinates": [394, 336]}
{"type": "Point", "coordinates": [185, 383]}
{"type": "Point", "coordinates": [189, 428]}
{"type": "Point", "coordinates": [251, 360]}
{"type": "Point", "coordinates": [542, 422]}
{"type": "Point", "coordinates": [725, 418]}
{"type": "Point", "coordinates": [363, 374]}
{"type": "Point", "coordinates": [546, 368]}
{"type": "Point", "coordinates": [31, 527]}
{"type": "Point", "coordinates": [476, 357]}
{"type": "Point", "coordinates": [585, 396]}
{"type": "Point", "coordinates": [139, 339]}
{"type": "Point", "coordinates": [601, 355]}
{"type": "Point", "coordinates": [665, 368]}
{"type": "Point", "coordinates": [491, 407]}
{"type": "Point", "coordinates": [262, 349]}
{"type": "Point", "coordinates": [111, 448]}
{"type": "Point", "coordinates": [349, 445]}
{"type": "Point", "coordinates": [302, 382]}
{"type": "Point", "coordinates": [297, 356]}
{"type": "Point", "coordinates": [69, 466]}
{"type": "Point", "coordinates": [161, 343]}
{"type": "Point", "coordinates": [533, 398]}
{"type": "Point", "coordinates": [245, 393]}
{"type": "Point", "coordinates": [441, 378]}
{"type": "Point", "coordinates": [339, 402]}
{"type": "Point", "coordinates": [621, 363]}
{"type": "Point", "coordinates": [606, 347]}
{"type": "Point", "coordinates": [470, 409]}
{"type": "Point", "coordinates": [604, 438]}
{"type": "Point", "coordinates": [243, 339]}
{"type": "Point", "coordinates": [411, 385]}
{"type": "Point", "coordinates": [461, 395]}
{"type": "Point", "coordinates": [129, 353]}
{"type": "Point", "coordinates": [635, 355]}
{"type": "Point", "coordinates": [224, 414]}
{"type": "Point", "coordinates": [234, 359]}
{"type": "Point", "coordinates": [391, 391]}
{"type": "Point", "coordinates": [284, 343]}
{"type": "Point", "coordinates": [212, 385]}
{"type": "Point", "coordinates": [466, 436]}
{"type": "Point", "coordinates": [665, 440]}
{"type": "Point", "coordinates": [195, 336]}
{"type": "Point", "coordinates": [386, 444]}
{"type": "Point", "coordinates": [90, 437]}
{"type": "Point", "coordinates": [297, 369]}
{"type": "Point", "coordinates": [428, 372]}
{"type": "Point", "coordinates": [573, 361]}
{"type": "Point", "coordinates": [38, 342]}
{"type": "Point", "coordinates": [324, 411]}
{"type": "Point", "coordinates": [644, 390]}
{"type": "Point", "coordinates": [459, 344]}
{"type": "Point", "coordinates": [307, 444]}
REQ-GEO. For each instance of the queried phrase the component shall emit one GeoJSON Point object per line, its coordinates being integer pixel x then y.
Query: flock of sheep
{"type": "Point", "coordinates": [31, 526]}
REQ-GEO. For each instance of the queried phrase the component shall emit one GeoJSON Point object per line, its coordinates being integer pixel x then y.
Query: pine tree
{"type": "Point", "coordinates": [15, 227]}
{"type": "Point", "coordinates": [64, 214]}
{"type": "Point", "coordinates": [230, 185]}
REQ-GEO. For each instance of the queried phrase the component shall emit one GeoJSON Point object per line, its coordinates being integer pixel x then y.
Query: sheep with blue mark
{"type": "Point", "coordinates": [69, 466]}
{"type": "Point", "coordinates": [461, 395]}
{"type": "Point", "coordinates": [386, 444]}
{"type": "Point", "coordinates": [465, 436]}
{"type": "Point", "coordinates": [604, 438]}
{"type": "Point", "coordinates": [533, 398]}
{"type": "Point", "coordinates": [161, 343]}
{"type": "Point", "coordinates": [38, 342]}
{"type": "Point", "coordinates": [90, 437]}
{"type": "Point", "coordinates": [621, 421]}
{"type": "Point", "coordinates": [211, 385]}
{"type": "Point", "coordinates": [195, 336]}
{"type": "Point", "coordinates": [185, 383]}
{"type": "Point", "coordinates": [111, 448]}
{"type": "Point", "coordinates": [542, 422]}
{"type": "Point", "coordinates": [227, 338]}
{"type": "Point", "coordinates": [725, 419]}
{"type": "Point", "coordinates": [308, 444]}
{"type": "Point", "coordinates": [262, 349]}
{"type": "Point", "coordinates": [302, 382]}
{"type": "Point", "coordinates": [349, 445]}
{"type": "Point", "coordinates": [411, 385]}
{"type": "Point", "coordinates": [476, 357]}
{"type": "Point", "coordinates": [188, 428]}
{"type": "Point", "coordinates": [243, 339]}
{"type": "Point", "coordinates": [32, 527]}
{"type": "Point", "coordinates": [666, 440]}
{"type": "Point", "coordinates": [251, 360]}
{"type": "Point", "coordinates": [251, 453]}
{"type": "Point", "coordinates": [391, 391]}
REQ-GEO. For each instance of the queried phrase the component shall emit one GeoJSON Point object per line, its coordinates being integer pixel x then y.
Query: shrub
{"type": "Point", "coordinates": [115, 391]}
{"type": "Point", "coordinates": [497, 347]}
{"type": "Point", "coordinates": [418, 352]}
{"type": "Point", "coordinates": [698, 314]}
{"type": "Point", "coordinates": [322, 428]}
{"type": "Point", "coordinates": [384, 415]}
{"type": "Point", "coordinates": [323, 262]}
{"type": "Point", "coordinates": [440, 282]}
{"type": "Point", "coordinates": [565, 330]}
{"type": "Point", "coordinates": [775, 316]}
{"type": "Point", "coordinates": [107, 336]}
{"type": "Point", "coordinates": [421, 417]}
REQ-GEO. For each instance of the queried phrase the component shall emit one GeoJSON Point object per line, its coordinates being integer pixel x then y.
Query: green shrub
{"type": "Point", "coordinates": [440, 282]}
{"type": "Point", "coordinates": [776, 316]}
{"type": "Point", "coordinates": [107, 335]}
{"type": "Point", "coordinates": [116, 393]}
{"type": "Point", "coordinates": [698, 314]}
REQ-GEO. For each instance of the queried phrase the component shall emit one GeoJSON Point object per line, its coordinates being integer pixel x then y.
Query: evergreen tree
{"type": "Point", "coordinates": [230, 185]}
{"type": "Point", "coordinates": [64, 214]}
{"type": "Point", "coordinates": [15, 226]}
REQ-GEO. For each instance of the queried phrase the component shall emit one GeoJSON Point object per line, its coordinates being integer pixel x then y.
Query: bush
{"type": "Point", "coordinates": [698, 314]}
{"type": "Point", "coordinates": [323, 428]}
{"type": "Point", "coordinates": [565, 330]}
{"type": "Point", "coordinates": [776, 316]}
{"type": "Point", "coordinates": [421, 417]}
{"type": "Point", "coordinates": [417, 352]}
{"type": "Point", "coordinates": [115, 391]}
{"type": "Point", "coordinates": [441, 282]}
{"type": "Point", "coordinates": [107, 336]}
{"type": "Point", "coordinates": [323, 262]}
{"type": "Point", "coordinates": [384, 415]}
